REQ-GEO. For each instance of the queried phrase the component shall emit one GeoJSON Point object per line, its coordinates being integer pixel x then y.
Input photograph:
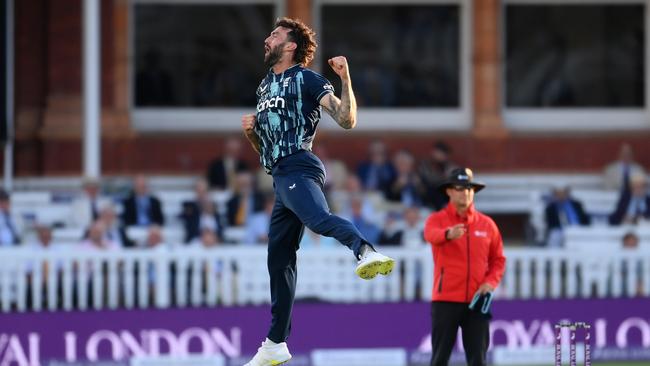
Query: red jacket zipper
{"type": "Point", "coordinates": [468, 264]}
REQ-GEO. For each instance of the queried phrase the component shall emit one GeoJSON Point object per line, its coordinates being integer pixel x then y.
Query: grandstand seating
{"type": "Point", "coordinates": [523, 194]}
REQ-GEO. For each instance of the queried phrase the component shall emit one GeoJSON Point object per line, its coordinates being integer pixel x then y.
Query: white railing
{"type": "Point", "coordinates": [82, 279]}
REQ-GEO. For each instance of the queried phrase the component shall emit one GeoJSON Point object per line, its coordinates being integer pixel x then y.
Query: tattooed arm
{"type": "Point", "coordinates": [344, 110]}
{"type": "Point", "coordinates": [248, 125]}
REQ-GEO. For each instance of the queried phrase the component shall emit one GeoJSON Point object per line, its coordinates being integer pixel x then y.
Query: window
{"type": "Point", "coordinates": [400, 55]}
{"type": "Point", "coordinates": [409, 60]}
{"type": "Point", "coordinates": [574, 65]}
{"type": "Point", "coordinates": [199, 55]}
{"type": "Point", "coordinates": [580, 56]}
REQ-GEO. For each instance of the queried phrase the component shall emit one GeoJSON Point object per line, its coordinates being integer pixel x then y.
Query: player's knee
{"type": "Point", "coordinates": [320, 224]}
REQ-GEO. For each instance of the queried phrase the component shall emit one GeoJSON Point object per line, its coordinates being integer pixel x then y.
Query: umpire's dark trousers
{"type": "Point", "coordinates": [298, 181]}
{"type": "Point", "coordinates": [446, 318]}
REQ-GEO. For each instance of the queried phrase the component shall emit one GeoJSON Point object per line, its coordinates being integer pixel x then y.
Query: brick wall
{"type": "Point", "coordinates": [48, 98]}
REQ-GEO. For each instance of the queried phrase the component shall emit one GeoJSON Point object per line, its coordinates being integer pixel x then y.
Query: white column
{"type": "Point", "coordinates": [9, 98]}
{"type": "Point", "coordinates": [91, 88]}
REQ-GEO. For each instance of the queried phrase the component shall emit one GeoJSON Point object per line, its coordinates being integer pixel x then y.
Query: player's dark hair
{"type": "Point", "coordinates": [302, 36]}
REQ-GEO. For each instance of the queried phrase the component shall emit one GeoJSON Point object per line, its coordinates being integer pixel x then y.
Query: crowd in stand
{"type": "Point", "coordinates": [386, 197]}
{"type": "Point", "coordinates": [632, 207]}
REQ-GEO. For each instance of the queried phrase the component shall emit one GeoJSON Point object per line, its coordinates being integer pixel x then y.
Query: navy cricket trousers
{"type": "Point", "coordinates": [298, 181]}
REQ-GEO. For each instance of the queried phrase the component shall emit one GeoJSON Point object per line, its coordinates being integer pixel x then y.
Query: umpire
{"type": "Point", "coordinates": [469, 263]}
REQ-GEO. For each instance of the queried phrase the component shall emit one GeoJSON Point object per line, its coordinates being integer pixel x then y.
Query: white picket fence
{"type": "Point", "coordinates": [70, 278]}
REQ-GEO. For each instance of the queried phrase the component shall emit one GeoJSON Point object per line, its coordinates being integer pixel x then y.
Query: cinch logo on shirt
{"type": "Point", "coordinates": [480, 234]}
{"type": "Point", "coordinates": [271, 103]}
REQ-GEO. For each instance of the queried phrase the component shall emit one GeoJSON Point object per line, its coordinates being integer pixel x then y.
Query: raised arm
{"type": "Point", "coordinates": [248, 125]}
{"type": "Point", "coordinates": [344, 110]}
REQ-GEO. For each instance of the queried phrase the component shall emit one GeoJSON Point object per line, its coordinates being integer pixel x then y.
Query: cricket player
{"type": "Point", "coordinates": [289, 101]}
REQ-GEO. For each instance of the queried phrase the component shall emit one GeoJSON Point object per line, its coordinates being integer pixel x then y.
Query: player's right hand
{"type": "Point", "coordinates": [248, 122]}
{"type": "Point", "coordinates": [456, 231]}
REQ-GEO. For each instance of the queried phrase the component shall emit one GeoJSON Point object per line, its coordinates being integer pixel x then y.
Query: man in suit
{"type": "Point", "coordinates": [246, 200]}
{"type": "Point", "coordinates": [376, 173]}
{"type": "Point", "coordinates": [222, 171]}
{"type": "Point", "coordinates": [633, 204]}
{"type": "Point", "coordinates": [141, 208]}
{"type": "Point", "coordinates": [8, 233]}
{"type": "Point", "coordinates": [200, 213]}
{"type": "Point", "coordinates": [434, 170]}
{"type": "Point", "coordinates": [563, 211]}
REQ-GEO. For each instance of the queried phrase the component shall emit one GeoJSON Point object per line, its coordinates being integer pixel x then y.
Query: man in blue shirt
{"type": "Point", "coordinates": [289, 101]}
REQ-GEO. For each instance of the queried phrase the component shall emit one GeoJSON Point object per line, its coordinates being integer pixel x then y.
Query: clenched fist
{"type": "Point", "coordinates": [248, 123]}
{"type": "Point", "coordinates": [340, 66]}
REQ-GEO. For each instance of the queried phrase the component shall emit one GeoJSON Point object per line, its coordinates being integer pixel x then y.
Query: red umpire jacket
{"type": "Point", "coordinates": [464, 264]}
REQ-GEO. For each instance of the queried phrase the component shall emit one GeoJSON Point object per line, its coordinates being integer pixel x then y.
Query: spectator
{"type": "Point", "coordinates": [257, 227]}
{"type": "Point", "coordinates": [369, 230]}
{"type": "Point", "coordinates": [433, 171]}
{"type": "Point", "coordinates": [336, 170]}
{"type": "Point", "coordinates": [200, 213]}
{"type": "Point", "coordinates": [43, 243]}
{"type": "Point", "coordinates": [222, 172]}
{"type": "Point", "coordinates": [154, 239]}
{"type": "Point", "coordinates": [341, 200]}
{"type": "Point", "coordinates": [312, 240]}
{"type": "Point", "coordinates": [114, 230]}
{"type": "Point", "coordinates": [96, 238]}
{"type": "Point", "coordinates": [408, 233]}
{"type": "Point", "coordinates": [246, 200]}
{"type": "Point", "coordinates": [43, 236]}
{"type": "Point", "coordinates": [407, 187]}
{"type": "Point", "coordinates": [617, 174]}
{"type": "Point", "coordinates": [633, 203]}
{"type": "Point", "coordinates": [392, 230]}
{"type": "Point", "coordinates": [377, 172]}
{"type": "Point", "coordinates": [85, 207]}
{"type": "Point", "coordinates": [207, 239]}
{"type": "Point", "coordinates": [630, 241]}
{"type": "Point", "coordinates": [413, 231]}
{"type": "Point", "coordinates": [264, 181]}
{"type": "Point", "coordinates": [141, 208]}
{"type": "Point", "coordinates": [563, 211]}
{"type": "Point", "coordinates": [8, 232]}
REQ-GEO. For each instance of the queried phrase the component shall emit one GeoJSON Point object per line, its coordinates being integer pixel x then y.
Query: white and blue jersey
{"type": "Point", "coordinates": [288, 112]}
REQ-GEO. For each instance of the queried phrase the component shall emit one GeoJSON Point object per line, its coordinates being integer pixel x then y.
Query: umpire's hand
{"type": "Point", "coordinates": [455, 232]}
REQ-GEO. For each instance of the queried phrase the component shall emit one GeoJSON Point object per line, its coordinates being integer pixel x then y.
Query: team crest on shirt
{"type": "Point", "coordinates": [263, 89]}
{"type": "Point", "coordinates": [480, 234]}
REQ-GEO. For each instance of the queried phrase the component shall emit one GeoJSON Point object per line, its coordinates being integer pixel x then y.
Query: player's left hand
{"type": "Point", "coordinates": [485, 288]}
{"type": "Point", "coordinates": [340, 66]}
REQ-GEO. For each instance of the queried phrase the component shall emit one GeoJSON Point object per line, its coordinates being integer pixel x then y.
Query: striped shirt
{"type": "Point", "coordinates": [288, 112]}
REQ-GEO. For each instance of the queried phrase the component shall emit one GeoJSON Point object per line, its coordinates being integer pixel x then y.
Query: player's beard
{"type": "Point", "coordinates": [274, 55]}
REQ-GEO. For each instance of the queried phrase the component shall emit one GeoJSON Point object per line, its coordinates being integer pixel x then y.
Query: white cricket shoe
{"type": "Point", "coordinates": [270, 354]}
{"type": "Point", "coordinates": [372, 263]}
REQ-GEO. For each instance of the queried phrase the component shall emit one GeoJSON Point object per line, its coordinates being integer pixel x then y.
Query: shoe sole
{"type": "Point", "coordinates": [370, 270]}
{"type": "Point", "coordinates": [275, 363]}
